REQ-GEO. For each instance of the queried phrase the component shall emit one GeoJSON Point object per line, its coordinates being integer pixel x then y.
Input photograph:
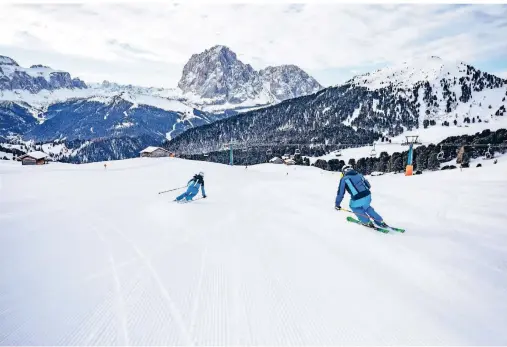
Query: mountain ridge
{"type": "Point", "coordinates": [374, 105]}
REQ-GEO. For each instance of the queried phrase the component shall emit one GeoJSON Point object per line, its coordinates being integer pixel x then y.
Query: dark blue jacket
{"type": "Point", "coordinates": [195, 183]}
{"type": "Point", "coordinates": [355, 184]}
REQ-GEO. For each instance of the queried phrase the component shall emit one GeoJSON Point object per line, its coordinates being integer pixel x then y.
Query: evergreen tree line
{"type": "Point", "coordinates": [426, 157]}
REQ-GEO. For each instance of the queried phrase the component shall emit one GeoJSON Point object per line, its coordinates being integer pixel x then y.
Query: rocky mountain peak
{"type": "Point", "coordinates": [34, 79]}
{"type": "Point", "coordinates": [218, 74]}
{"type": "Point", "coordinates": [39, 66]}
{"type": "Point", "coordinates": [7, 61]}
{"type": "Point", "coordinates": [289, 81]}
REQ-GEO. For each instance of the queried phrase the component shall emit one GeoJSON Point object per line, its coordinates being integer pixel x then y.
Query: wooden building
{"type": "Point", "coordinates": [155, 152]}
{"type": "Point", "coordinates": [34, 158]}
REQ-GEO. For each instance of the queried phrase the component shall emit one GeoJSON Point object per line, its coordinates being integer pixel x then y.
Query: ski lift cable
{"type": "Point", "coordinates": [345, 145]}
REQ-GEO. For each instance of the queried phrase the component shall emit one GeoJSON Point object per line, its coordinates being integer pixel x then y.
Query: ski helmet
{"type": "Point", "coordinates": [346, 168]}
{"type": "Point", "coordinates": [201, 173]}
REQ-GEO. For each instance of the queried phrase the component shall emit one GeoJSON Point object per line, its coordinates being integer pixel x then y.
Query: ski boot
{"type": "Point", "coordinates": [369, 224]}
{"type": "Point", "coordinates": [382, 224]}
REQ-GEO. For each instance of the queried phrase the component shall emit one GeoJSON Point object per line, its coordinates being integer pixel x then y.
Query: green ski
{"type": "Point", "coordinates": [353, 220]}
{"type": "Point", "coordinates": [399, 230]}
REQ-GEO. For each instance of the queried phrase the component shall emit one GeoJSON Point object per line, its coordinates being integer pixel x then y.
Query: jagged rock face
{"type": "Point", "coordinates": [218, 74]}
{"type": "Point", "coordinates": [289, 81]}
{"type": "Point", "coordinates": [7, 61]}
{"type": "Point", "coordinates": [35, 78]}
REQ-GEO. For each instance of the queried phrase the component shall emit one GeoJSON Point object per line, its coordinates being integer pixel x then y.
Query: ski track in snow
{"type": "Point", "coordinates": [120, 299]}
{"type": "Point", "coordinates": [97, 257]}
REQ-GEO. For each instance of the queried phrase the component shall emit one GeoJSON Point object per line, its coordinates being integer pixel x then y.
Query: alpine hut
{"type": "Point", "coordinates": [33, 158]}
{"type": "Point", "coordinates": [155, 152]}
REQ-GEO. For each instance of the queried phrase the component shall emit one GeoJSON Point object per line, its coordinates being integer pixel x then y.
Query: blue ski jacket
{"type": "Point", "coordinates": [195, 183]}
{"type": "Point", "coordinates": [355, 184]}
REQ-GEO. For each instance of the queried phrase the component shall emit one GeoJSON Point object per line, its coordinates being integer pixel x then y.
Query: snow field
{"type": "Point", "coordinates": [94, 256]}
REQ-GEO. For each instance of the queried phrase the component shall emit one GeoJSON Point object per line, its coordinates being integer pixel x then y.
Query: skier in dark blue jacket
{"type": "Point", "coordinates": [360, 196]}
{"type": "Point", "coordinates": [193, 188]}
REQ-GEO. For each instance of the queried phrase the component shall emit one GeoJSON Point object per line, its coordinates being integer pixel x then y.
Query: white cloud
{"type": "Point", "coordinates": [316, 37]}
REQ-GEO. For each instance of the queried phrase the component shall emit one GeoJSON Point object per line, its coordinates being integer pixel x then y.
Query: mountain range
{"type": "Point", "coordinates": [42, 105]}
{"type": "Point", "coordinates": [429, 92]}
{"type": "Point", "coordinates": [220, 98]}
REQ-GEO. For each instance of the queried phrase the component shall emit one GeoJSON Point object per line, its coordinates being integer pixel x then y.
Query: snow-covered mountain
{"type": "Point", "coordinates": [388, 102]}
{"type": "Point", "coordinates": [43, 104]}
{"type": "Point", "coordinates": [437, 91]}
{"type": "Point", "coordinates": [218, 77]}
{"type": "Point", "coordinates": [214, 81]}
{"type": "Point", "coordinates": [409, 73]}
{"type": "Point", "coordinates": [425, 93]}
{"type": "Point", "coordinates": [34, 79]}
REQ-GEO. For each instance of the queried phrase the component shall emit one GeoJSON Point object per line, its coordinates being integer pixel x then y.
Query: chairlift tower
{"type": "Point", "coordinates": [373, 152]}
{"type": "Point", "coordinates": [231, 152]}
{"type": "Point", "coordinates": [411, 139]}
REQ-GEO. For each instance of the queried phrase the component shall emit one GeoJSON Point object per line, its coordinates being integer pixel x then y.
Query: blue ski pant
{"type": "Point", "coordinates": [362, 209]}
{"type": "Point", "coordinates": [189, 194]}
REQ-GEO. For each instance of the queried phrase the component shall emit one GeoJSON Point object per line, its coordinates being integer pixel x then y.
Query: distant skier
{"type": "Point", "coordinates": [360, 196]}
{"type": "Point", "coordinates": [193, 188]}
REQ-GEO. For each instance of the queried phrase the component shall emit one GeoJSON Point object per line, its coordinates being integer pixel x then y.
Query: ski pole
{"type": "Point", "coordinates": [171, 190]}
{"type": "Point", "coordinates": [362, 214]}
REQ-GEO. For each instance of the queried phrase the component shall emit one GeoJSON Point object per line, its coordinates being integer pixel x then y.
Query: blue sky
{"type": "Point", "coordinates": [149, 45]}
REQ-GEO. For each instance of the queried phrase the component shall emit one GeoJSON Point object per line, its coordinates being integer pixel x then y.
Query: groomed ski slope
{"type": "Point", "coordinates": [94, 256]}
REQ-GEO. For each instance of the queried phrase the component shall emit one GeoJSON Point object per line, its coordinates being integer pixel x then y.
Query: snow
{"type": "Point", "coordinates": [169, 134]}
{"type": "Point", "coordinates": [45, 98]}
{"type": "Point", "coordinates": [124, 125]}
{"type": "Point", "coordinates": [6, 155]}
{"type": "Point", "coordinates": [7, 61]}
{"type": "Point", "coordinates": [54, 149]}
{"type": "Point", "coordinates": [36, 155]}
{"type": "Point", "coordinates": [355, 114]}
{"type": "Point", "coordinates": [97, 257]}
{"type": "Point", "coordinates": [44, 72]}
{"type": "Point", "coordinates": [159, 102]}
{"type": "Point", "coordinates": [149, 149]}
{"type": "Point", "coordinates": [407, 74]}
{"type": "Point", "coordinates": [262, 100]}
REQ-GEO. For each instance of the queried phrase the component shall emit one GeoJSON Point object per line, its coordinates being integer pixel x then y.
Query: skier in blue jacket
{"type": "Point", "coordinates": [193, 188]}
{"type": "Point", "coordinates": [360, 196]}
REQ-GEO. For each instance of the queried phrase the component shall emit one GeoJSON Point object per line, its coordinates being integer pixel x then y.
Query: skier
{"type": "Point", "coordinates": [360, 197]}
{"type": "Point", "coordinates": [193, 187]}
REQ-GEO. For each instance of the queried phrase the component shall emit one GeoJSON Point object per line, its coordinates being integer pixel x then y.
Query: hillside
{"type": "Point", "coordinates": [97, 257]}
{"type": "Point", "coordinates": [390, 102]}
